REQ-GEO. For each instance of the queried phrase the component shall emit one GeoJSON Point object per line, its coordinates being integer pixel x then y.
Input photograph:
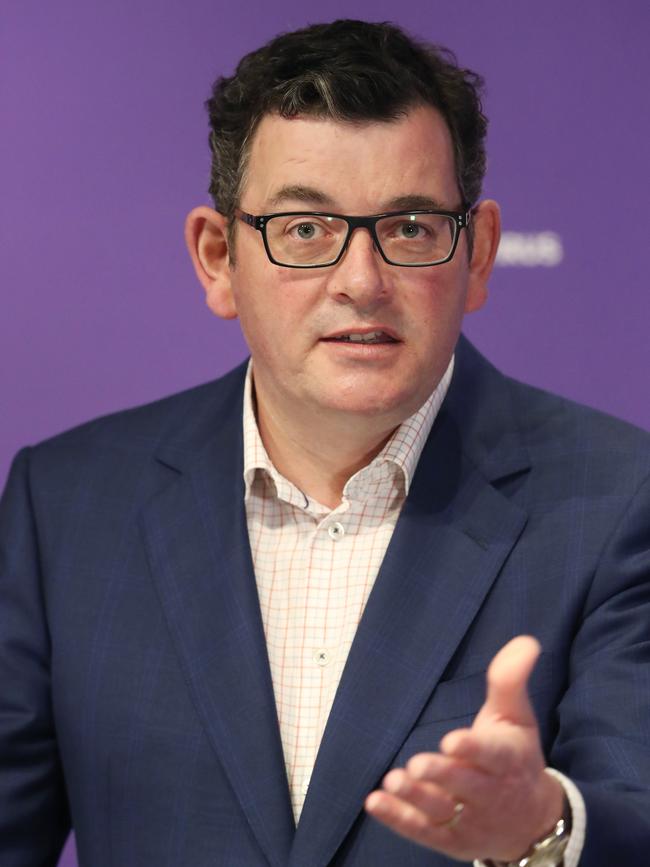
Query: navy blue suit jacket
{"type": "Point", "coordinates": [135, 696]}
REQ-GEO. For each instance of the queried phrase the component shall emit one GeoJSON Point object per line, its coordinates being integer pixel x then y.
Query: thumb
{"type": "Point", "coordinates": [507, 681]}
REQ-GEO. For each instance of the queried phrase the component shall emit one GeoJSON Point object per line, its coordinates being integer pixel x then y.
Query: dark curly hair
{"type": "Point", "coordinates": [349, 71]}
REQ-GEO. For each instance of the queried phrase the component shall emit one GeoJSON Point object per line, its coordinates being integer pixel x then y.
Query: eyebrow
{"type": "Point", "coordinates": [414, 203]}
{"type": "Point", "coordinates": [300, 193]}
{"type": "Point", "coordinates": [312, 196]}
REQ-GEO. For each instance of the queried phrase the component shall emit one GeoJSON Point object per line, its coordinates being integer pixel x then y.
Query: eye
{"type": "Point", "coordinates": [411, 230]}
{"type": "Point", "coordinates": [419, 228]}
{"type": "Point", "coordinates": [305, 230]}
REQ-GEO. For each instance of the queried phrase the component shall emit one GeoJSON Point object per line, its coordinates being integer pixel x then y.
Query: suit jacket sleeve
{"type": "Point", "coordinates": [604, 731]}
{"type": "Point", "coordinates": [34, 814]}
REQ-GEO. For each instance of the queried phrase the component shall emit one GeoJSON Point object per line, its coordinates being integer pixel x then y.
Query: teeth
{"type": "Point", "coordinates": [371, 337]}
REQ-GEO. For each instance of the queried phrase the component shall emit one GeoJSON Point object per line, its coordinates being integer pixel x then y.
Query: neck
{"type": "Point", "coordinates": [319, 457]}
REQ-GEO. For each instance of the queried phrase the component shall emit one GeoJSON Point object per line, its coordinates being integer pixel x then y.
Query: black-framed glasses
{"type": "Point", "coordinates": [313, 239]}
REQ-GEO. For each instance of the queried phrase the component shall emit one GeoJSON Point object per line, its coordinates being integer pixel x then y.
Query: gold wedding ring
{"type": "Point", "coordinates": [455, 818]}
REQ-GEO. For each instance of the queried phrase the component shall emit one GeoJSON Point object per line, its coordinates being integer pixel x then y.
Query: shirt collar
{"type": "Point", "coordinates": [402, 451]}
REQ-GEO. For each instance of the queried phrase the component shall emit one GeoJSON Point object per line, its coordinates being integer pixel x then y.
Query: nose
{"type": "Point", "coordinates": [360, 276]}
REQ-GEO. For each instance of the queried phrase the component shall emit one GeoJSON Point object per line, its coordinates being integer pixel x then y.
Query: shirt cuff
{"type": "Point", "coordinates": [576, 842]}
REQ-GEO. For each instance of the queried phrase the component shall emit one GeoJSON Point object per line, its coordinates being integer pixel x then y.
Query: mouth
{"type": "Point", "coordinates": [362, 337]}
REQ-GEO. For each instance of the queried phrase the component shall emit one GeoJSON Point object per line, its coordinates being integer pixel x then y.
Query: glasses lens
{"type": "Point", "coordinates": [305, 239]}
{"type": "Point", "coordinates": [416, 239]}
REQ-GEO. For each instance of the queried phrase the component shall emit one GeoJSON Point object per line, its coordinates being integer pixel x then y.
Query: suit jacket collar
{"type": "Point", "coordinates": [452, 537]}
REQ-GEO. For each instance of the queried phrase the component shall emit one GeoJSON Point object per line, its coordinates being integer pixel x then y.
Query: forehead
{"type": "Point", "coordinates": [356, 167]}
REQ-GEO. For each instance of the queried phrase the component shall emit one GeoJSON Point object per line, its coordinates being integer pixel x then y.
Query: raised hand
{"type": "Point", "coordinates": [486, 793]}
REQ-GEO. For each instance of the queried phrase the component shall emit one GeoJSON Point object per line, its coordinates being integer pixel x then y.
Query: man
{"type": "Point", "coordinates": [271, 601]}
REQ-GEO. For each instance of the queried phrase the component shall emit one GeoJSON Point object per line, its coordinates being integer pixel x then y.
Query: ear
{"type": "Point", "coordinates": [206, 236]}
{"type": "Point", "coordinates": [486, 219]}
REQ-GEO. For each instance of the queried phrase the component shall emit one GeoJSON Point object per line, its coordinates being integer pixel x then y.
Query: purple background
{"type": "Point", "coordinates": [103, 150]}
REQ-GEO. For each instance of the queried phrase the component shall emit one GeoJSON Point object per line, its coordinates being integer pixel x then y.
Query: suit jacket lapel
{"type": "Point", "coordinates": [451, 540]}
{"type": "Point", "coordinates": [200, 558]}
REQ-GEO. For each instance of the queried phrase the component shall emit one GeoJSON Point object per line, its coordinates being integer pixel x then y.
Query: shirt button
{"type": "Point", "coordinates": [336, 531]}
{"type": "Point", "coordinates": [304, 786]}
{"type": "Point", "coordinates": [322, 657]}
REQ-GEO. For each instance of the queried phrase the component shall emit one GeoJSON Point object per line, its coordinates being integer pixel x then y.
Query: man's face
{"type": "Point", "coordinates": [290, 316]}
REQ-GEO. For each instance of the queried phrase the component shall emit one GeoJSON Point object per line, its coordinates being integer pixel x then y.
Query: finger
{"type": "Point", "coordinates": [507, 682]}
{"type": "Point", "coordinates": [430, 798]}
{"type": "Point", "coordinates": [409, 821]}
{"type": "Point", "coordinates": [459, 780]}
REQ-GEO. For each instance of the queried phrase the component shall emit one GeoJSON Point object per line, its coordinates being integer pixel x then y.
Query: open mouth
{"type": "Point", "coordinates": [356, 337]}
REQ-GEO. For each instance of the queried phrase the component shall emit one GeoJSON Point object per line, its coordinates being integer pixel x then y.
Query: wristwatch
{"type": "Point", "coordinates": [547, 852]}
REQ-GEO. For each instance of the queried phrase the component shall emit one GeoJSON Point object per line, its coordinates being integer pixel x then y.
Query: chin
{"type": "Point", "coordinates": [378, 405]}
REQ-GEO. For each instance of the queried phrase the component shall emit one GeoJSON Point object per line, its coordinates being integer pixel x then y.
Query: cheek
{"type": "Point", "coordinates": [436, 306]}
{"type": "Point", "coordinates": [258, 325]}
{"type": "Point", "coordinates": [275, 301]}
{"type": "Point", "coordinates": [273, 319]}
